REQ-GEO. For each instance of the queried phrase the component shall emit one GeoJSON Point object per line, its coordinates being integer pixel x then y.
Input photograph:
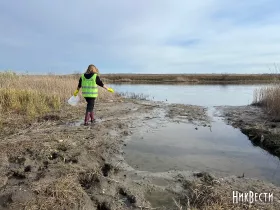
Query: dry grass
{"type": "Point", "coordinates": [269, 99]}
{"type": "Point", "coordinates": [204, 194]}
{"type": "Point", "coordinates": [207, 193]}
{"type": "Point", "coordinates": [29, 102]}
{"type": "Point", "coordinates": [191, 78]}
{"type": "Point", "coordinates": [201, 196]}
{"type": "Point", "coordinates": [26, 98]}
{"type": "Point", "coordinates": [51, 85]}
{"type": "Point", "coordinates": [35, 95]}
{"type": "Point", "coordinates": [64, 193]}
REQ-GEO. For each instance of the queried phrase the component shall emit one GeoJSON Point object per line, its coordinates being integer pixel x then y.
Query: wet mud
{"type": "Point", "coordinates": [57, 163]}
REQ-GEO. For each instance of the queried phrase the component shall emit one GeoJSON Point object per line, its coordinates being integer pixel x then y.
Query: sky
{"type": "Point", "coordinates": [147, 36]}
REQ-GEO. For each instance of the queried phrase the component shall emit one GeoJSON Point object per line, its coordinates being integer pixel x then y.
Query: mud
{"type": "Point", "coordinates": [57, 163]}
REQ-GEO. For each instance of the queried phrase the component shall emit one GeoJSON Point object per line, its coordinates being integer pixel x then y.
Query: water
{"type": "Point", "coordinates": [221, 149]}
{"type": "Point", "coordinates": [203, 95]}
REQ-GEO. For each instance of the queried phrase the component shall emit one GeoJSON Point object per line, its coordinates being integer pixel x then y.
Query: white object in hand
{"type": "Point", "coordinates": [74, 100]}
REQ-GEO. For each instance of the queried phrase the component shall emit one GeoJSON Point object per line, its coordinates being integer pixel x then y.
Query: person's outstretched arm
{"type": "Point", "coordinates": [100, 83]}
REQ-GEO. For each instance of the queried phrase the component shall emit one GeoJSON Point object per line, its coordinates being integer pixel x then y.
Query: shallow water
{"type": "Point", "coordinates": [220, 149]}
{"type": "Point", "coordinates": [203, 95]}
{"type": "Point", "coordinates": [81, 122]}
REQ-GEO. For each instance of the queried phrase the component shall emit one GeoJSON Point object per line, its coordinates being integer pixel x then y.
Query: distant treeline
{"type": "Point", "coordinates": [191, 78]}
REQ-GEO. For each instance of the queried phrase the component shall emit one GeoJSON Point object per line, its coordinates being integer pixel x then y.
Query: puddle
{"type": "Point", "coordinates": [81, 122]}
{"type": "Point", "coordinates": [161, 199]}
{"type": "Point", "coordinates": [219, 149]}
{"type": "Point", "coordinates": [159, 182]}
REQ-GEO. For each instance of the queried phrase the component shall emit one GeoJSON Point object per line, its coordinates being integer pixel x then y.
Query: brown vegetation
{"type": "Point", "coordinates": [269, 99]}
{"type": "Point", "coordinates": [191, 78]}
{"type": "Point", "coordinates": [32, 96]}
{"type": "Point", "coordinates": [210, 193]}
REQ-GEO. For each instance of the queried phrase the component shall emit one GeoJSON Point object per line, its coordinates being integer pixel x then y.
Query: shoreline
{"type": "Point", "coordinates": [59, 164]}
{"type": "Point", "coordinates": [191, 78]}
{"type": "Point", "coordinates": [147, 82]}
{"type": "Point", "coordinates": [254, 123]}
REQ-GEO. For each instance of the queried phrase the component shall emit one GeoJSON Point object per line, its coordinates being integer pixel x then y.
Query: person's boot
{"type": "Point", "coordinates": [87, 116]}
{"type": "Point", "coordinates": [92, 117]}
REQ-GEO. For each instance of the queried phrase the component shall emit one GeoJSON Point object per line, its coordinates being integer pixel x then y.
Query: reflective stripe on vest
{"type": "Point", "coordinates": [89, 86]}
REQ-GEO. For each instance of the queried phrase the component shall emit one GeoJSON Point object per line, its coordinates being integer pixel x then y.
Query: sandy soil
{"type": "Point", "coordinates": [57, 163]}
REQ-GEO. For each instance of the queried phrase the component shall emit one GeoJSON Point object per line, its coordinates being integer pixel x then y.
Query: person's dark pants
{"type": "Point", "coordinates": [90, 104]}
{"type": "Point", "coordinates": [89, 110]}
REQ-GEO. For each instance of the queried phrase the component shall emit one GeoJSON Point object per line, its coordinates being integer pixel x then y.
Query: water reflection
{"type": "Point", "coordinates": [203, 95]}
{"type": "Point", "coordinates": [224, 150]}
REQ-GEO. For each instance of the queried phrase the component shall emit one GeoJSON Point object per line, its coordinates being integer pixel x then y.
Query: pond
{"type": "Point", "coordinates": [221, 149]}
{"type": "Point", "coordinates": [202, 95]}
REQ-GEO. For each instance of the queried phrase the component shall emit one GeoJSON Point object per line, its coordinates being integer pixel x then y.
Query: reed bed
{"type": "Point", "coordinates": [269, 99]}
{"type": "Point", "coordinates": [191, 78]}
{"type": "Point", "coordinates": [35, 95]}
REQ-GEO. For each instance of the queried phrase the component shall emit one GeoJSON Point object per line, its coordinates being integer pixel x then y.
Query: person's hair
{"type": "Point", "coordinates": [92, 69]}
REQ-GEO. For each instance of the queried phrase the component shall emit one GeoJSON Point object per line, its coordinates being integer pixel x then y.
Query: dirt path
{"type": "Point", "coordinates": [57, 163]}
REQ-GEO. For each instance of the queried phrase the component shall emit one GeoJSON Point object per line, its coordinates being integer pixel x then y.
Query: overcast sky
{"type": "Point", "coordinates": [144, 36]}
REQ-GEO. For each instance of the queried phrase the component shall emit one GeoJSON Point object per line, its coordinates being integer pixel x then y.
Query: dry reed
{"type": "Point", "coordinates": [35, 95]}
{"type": "Point", "coordinates": [192, 78]}
{"type": "Point", "coordinates": [269, 99]}
{"type": "Point", "coordinates": [63, 193]}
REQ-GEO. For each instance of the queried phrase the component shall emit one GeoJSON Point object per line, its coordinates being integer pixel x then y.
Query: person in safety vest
{"type": "Point", "coordinates": [89, 83]}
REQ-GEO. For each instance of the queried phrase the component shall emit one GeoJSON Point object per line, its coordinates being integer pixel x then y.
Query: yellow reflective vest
{"type": "Point", "coordinates": [89, 86]}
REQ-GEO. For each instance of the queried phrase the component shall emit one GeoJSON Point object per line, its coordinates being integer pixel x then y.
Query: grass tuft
{"type": "Point", "coordinates": [64, 193]}
{"type": "Point", "coordinates": [207, 193]}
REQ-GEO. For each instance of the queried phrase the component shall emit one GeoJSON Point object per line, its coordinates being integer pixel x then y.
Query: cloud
{"type": "Point", "coordinates": [159, 36]}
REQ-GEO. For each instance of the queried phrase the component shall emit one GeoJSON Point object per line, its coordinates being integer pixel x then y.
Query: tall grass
{"type": "Point", "coordinates": [269, 99]}
{"type": "Point", "coordinates": [30, 102]}
{"type": "Point", "coordinates": [35, 95]}
{"type": "Point", "coordinates": [50, 84]}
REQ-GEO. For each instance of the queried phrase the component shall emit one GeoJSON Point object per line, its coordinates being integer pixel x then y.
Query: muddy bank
{"type": "Point", "coordinates": [256, 124]}
{"type": "Point", "coordinates": [57, 163]}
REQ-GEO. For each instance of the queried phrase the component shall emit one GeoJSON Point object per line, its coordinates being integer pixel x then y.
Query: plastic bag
{"type": "Point", "coordinates": [74, 100]}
